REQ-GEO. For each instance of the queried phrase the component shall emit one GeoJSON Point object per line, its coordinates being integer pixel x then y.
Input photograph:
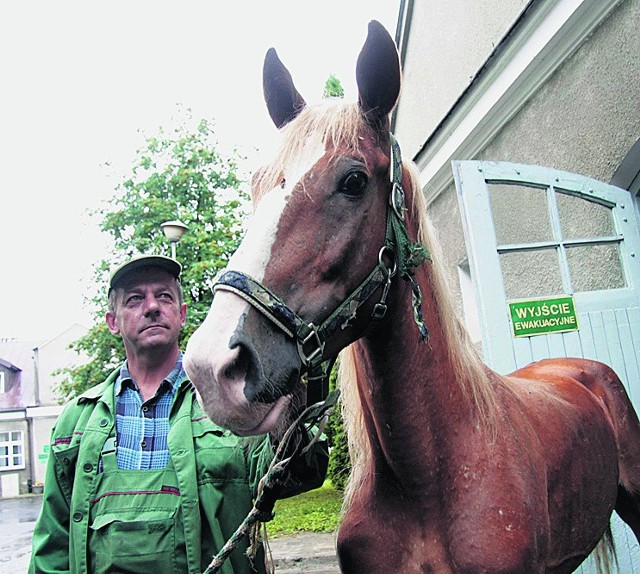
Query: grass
{"type": "Point", "coordinates": [314, 511]}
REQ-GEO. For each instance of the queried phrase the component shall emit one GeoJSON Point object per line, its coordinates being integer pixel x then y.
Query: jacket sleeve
{"type": "Point", "coordinates": [50, 550]}
{"type": "Point", "coordinates": [307, 471]}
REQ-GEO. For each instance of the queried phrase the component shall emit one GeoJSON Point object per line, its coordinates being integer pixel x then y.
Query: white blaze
{"type": "Point", "coordinates": [209, 351]}
{"type": "Point", "coordinates": [254, 252]}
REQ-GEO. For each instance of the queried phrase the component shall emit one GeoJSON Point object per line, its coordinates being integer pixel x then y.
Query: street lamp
{"type": "Point", "coordinates": [173, 231]}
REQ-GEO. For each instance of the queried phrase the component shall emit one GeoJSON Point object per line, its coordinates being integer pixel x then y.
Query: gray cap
{"type": "Point", "coordinates": [138, 261]}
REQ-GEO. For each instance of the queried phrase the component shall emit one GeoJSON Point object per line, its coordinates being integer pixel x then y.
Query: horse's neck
{"type": "Point", "coordinates": [413, 400]}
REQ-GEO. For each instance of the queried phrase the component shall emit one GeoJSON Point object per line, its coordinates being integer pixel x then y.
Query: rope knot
{"type": "Point", "coordinates": [418, 254]}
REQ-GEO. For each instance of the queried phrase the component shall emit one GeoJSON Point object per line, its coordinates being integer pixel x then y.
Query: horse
{"type": "Point", "coordinates": [456, 467]}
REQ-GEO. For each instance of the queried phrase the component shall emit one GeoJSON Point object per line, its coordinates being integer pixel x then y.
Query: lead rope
{"type": "Point", "coordinates": [271, 484]}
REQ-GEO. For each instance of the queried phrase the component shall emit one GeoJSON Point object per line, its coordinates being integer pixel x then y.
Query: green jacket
{"type": "Point", "coordinates": [96, 518]}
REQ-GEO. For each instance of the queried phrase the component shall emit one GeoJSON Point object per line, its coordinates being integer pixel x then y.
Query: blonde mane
{"type": "Point", "coordinates": [468, 368]}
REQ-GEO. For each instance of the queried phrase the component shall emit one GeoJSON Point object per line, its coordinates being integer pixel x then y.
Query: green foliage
{"type": "Point", "coordinates": [178, 175]}
{"type": "Point", "coordinates": [314, 511]}
{"type": "Point", "coordinates": [333, 88]}
{"type": "Point", "coordinates": [339, 461]}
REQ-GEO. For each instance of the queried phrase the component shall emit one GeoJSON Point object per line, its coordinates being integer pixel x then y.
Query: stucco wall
{"type": "Point", "coordinates": [587, 115]}
{"type": "Point", "coordinates": [448, 43]}
{"type": "Point", "coordinates": [445, 216]}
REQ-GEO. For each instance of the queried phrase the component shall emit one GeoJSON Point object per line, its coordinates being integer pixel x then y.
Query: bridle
{"type": "Point", "coordinates": [311, 338]}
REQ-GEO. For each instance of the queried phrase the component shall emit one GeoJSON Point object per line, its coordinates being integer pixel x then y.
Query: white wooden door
{"type": "Point", "coordinates": [533, 232]}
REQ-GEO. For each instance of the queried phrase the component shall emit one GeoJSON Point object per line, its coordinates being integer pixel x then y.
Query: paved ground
{"type": "Point", "coordinates": [17, 518]}
{"type": "Point", "coordinates": [308, 553]}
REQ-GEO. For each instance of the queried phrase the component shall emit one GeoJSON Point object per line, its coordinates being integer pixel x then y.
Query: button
{"type": "Point", "coordinates": [145, 409]}
{"type": "Point", "coordinates": [88, 467]}
{"type": "Point", "coordinates": [66, 461]}
{"type": "Point", "coordinates": [143, 443]}
{"type": "Point", "coordinates": [104, 423]}
{"type": "Point", "coordinates": [77, 516]}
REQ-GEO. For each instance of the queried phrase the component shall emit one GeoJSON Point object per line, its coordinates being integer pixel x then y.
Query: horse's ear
{"type": "Point", "coordinates": [378, 73]}
{"type": "Point", "coordinates": [283, 100]}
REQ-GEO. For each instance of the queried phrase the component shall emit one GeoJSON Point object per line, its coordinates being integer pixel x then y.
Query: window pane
{"type": "Point", "coordinates": [4, 461]}
{"type": "Point", "coordinates": [4, 437]}
{"type": "Point", "coordinates": [595, 267]}
{"type": "Point", "coordinates": [4, 450]}
{"type": "Point", "coordinates": [520, 214]}
{"type": "Point", "coordinates": [583, 219]}
{"type": "Point", "coordinates": [531, 273]}
{"type": "Point", "coordinates": [17, 461]}
{"type": "Point", "coordinates": [16, 436]}
{"type": "Point", "coordinates": [17, 449]}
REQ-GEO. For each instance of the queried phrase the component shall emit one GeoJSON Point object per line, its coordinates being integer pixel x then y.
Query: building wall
{"type": "Point", "coordinates": [42, 421]}
{"type": "Point", "coordinates": [448, 43]}
{"type": "Point", "coordinates": [587, 115]}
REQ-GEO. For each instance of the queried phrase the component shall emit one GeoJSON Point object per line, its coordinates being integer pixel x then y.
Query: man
{"type": "Point", "coordinates": [139, 479]}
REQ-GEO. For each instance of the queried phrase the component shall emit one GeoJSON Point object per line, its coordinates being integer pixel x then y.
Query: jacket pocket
{"type": "Point", "coordinates": [144, 545]}
{"type": "Point", "coordinates": [65, 468]}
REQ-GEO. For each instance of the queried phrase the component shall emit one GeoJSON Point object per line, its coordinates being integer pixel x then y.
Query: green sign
{"type": "Point", "coordinates": [543, 316]}
{"type": "Point", "coordinates": [44, 455]}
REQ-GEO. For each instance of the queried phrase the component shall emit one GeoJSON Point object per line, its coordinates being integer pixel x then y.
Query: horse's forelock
{"type": "Point", "coordinates": [337, 123]}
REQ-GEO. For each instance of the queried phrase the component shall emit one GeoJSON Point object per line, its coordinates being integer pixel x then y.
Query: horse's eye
{"type": "Point", "coordinates": [354, 184]}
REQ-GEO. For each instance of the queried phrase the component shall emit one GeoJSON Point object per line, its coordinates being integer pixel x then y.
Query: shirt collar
{"type": "Point", "coordinates": [172, 380]}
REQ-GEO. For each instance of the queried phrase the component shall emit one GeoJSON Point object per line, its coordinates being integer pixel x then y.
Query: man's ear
{"type": "Point", "coordinates": [110, 319]}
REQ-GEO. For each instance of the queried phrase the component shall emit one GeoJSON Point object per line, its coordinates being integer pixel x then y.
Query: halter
{"type": "Point", "coordinates": [311, 338]}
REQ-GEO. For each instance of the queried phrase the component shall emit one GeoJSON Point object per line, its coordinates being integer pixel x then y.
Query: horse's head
{"type": "Point", "coordinates": [314, 240]}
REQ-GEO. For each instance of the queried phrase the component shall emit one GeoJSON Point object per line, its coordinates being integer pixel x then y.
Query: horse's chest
{"type": "Point", "coordinates": [377, 548]}
{"type": "Point", "coordinates": [392, 537]}
{"type": "Point", "coordinates": [376, 538]}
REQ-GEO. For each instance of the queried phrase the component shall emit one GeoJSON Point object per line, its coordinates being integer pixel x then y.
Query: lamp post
{"type": "Point", "coordinates": [173, 231]}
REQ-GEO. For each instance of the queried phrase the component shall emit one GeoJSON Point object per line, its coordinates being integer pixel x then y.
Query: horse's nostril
{"type": "Point", "coordinates": [238, 365]}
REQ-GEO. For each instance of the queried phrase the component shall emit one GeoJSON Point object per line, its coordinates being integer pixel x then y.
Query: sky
{"type": "Point", "coordinates": [83, 83]}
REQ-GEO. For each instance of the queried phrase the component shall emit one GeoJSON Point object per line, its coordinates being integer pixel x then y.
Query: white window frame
{"type": "Point", "coordinates": [9, 444]}
{"type": "Point", "coordinates": [3, 389]}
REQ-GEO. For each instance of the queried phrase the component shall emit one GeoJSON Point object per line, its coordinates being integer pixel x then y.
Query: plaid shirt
{"type": "Point", "coordinates": [142, 429]}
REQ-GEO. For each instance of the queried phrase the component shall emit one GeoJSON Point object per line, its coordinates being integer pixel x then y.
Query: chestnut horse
{"type": "Point", "coordinates": [458, 469]}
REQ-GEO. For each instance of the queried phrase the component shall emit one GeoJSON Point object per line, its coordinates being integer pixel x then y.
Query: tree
{"type": "Point", "coordinates": [177, 175]}
{"type": "Point", "coordinates": [333, 88]}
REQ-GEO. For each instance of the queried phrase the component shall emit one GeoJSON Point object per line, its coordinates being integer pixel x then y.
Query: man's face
{"type": "Point", "coordinates": [147, 312]}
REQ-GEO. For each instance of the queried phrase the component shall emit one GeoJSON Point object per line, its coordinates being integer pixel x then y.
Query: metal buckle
{"type": "Point", "coordinates": [308, 360]}
{"type": "Point", "coordinates": [390, 272]}
{"type": "Point", "coordinates": [380, 308]}
{"type": "Point", "coordinates": [379, 311]}
{"type": "Point", "coordinates": [396, 199]}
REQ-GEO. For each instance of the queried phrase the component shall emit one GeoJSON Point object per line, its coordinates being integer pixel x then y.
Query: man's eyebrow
{"type": "Point", "coordinates": [129, 290]}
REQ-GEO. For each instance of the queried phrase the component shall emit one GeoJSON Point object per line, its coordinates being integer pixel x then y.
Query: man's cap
{"type": "Point", "coordinates": [139, 261]}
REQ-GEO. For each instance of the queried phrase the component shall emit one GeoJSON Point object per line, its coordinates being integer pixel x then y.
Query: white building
{"type": "Point", "coordinates": [28, 406]}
